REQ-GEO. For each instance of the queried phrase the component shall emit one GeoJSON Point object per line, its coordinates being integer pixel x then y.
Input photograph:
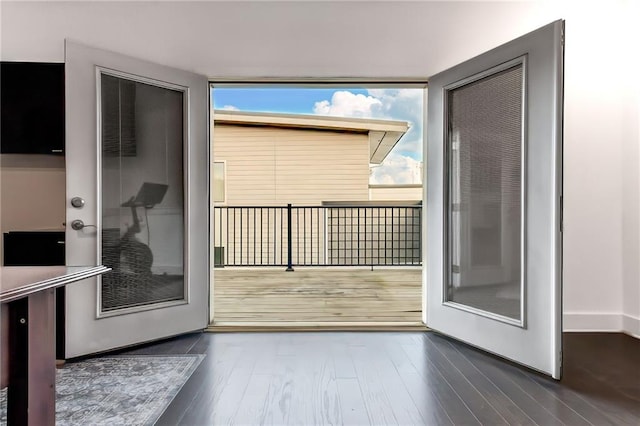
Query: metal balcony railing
{"type": "Point", "coordinates": [342, 235]}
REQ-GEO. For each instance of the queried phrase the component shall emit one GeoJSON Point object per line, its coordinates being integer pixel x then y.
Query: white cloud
{"type": "Point", "coordinates": [396, 169]}
{"type": "Point", "coordinates": [404, 104]}
{"type": "Point", "coordinates": [346, 104]}
{"type": "Point", "coordinates": [230, 108]}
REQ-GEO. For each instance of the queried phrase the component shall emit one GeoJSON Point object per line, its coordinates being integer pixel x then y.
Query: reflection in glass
{"type": "Point", "coordinates": [485, 193]}
{"type": "Point", "coordinates": [142, 193]}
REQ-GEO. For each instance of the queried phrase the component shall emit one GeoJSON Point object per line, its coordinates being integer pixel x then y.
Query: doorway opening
{"type": "Point", "coordinates": [316, 205]}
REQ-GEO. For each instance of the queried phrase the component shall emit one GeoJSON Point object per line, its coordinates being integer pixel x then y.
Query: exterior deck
{"type": "Point", "coordinates": [316, 297]}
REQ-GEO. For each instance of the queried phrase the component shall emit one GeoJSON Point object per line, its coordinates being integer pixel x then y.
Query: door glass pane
{"type": "Point", "coordinates": [142, 193]}
{"type": "Point", "coordinates": [485, 146]}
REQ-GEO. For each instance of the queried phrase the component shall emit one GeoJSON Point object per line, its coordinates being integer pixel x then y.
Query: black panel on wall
{"type": "Point", "coordinates": [32, 108]}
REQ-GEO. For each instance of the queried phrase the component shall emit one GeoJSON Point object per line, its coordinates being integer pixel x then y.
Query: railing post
{"type": "Point", "coordinates": [289, 245]}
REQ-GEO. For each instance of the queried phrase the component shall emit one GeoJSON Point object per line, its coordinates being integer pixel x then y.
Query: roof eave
{"type": "Point", "coordinates": [308, 121]}
{"type": "Point", "coordinates": [381, 143]}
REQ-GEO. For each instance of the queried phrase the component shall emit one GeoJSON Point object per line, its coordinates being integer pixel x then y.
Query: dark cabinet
{"type": "Point", "coordinates": [40, 248]}
{"type": "Point", "coordinates": [34, 248]}
{"type": "Point", "coordinates": [32, 108]}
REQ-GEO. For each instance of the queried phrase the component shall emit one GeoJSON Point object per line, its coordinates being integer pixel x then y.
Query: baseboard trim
{"type": "Point", "coordinates": [601, 322]}
{"type": "Point", "coordinates": [631, 326]}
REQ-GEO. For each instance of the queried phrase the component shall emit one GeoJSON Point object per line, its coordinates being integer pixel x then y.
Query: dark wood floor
{"type": "Point", "coordinates": [408, 378]}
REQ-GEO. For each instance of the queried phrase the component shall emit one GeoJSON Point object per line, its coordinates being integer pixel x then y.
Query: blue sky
{"type": "Point", "coordinates": [402, 165]}
{"type": "Point", "coordinates": [292, 101]}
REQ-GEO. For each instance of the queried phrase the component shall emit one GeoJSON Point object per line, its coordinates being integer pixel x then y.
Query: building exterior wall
{"type": "Point", "coordinates": [395, 192]}
{"type": "Point", "coordinates": [277, 166]}
{"type": "Point", "coordinates": [267, 167]}
{"type": "Point", "coordinates": [272, 166]}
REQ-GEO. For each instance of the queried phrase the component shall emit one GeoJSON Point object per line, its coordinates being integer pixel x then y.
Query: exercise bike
{"type": "Point", "coordinates": [131, 259]}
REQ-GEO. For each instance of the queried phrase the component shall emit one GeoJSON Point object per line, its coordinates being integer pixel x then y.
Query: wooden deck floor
{"type": "Point", "coordinates": [316, 296]}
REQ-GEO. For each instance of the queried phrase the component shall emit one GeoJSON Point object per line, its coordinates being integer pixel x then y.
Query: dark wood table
{"type": "Point", "coordinates": [28, 294]}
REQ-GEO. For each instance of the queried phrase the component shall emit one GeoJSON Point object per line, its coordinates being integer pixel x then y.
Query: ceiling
{"type": "Point", "coordinates": [274, 39]}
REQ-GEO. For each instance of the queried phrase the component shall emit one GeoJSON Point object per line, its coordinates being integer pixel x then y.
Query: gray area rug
{"type": "Point", "coordinates": [117, 390]}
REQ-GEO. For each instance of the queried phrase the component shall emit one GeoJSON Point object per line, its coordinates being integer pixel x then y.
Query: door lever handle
{"type": "Point", "coordinates": [79, 224]}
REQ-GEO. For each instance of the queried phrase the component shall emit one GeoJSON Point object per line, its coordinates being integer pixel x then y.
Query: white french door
{"type": "Point", "coordinates": [494, 200]}
{"type": "Point", "coordinates": [137, 199]}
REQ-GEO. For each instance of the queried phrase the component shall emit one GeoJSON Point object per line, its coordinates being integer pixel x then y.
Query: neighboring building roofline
{"type": "Point", "coordinates": [313, 121]}
{"type": "Point", "coordinates": [383, 134]}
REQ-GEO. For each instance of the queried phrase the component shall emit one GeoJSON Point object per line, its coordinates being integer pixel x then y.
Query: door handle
{"type": "Point", "coordinates": [79, 225]}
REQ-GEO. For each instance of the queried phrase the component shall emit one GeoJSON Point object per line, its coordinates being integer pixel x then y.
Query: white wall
{"type": "Point", "coordinates": [246, 39]}
{"type": "Point", "coordinates": [600, 57]}
{"type": "Point", "coordinates": [631, 210]}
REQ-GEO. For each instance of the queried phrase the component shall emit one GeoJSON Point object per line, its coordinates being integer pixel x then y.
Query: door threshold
{"type": "Point", "coordinates": [246, 326]}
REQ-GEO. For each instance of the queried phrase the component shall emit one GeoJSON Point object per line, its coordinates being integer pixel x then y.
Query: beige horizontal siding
{"type": "Point", "coordinates": [395, 193]}
{"type": "Point", "coordinates": [250, 174]}
{"type": "Point", "coordinates": [276, 166]}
